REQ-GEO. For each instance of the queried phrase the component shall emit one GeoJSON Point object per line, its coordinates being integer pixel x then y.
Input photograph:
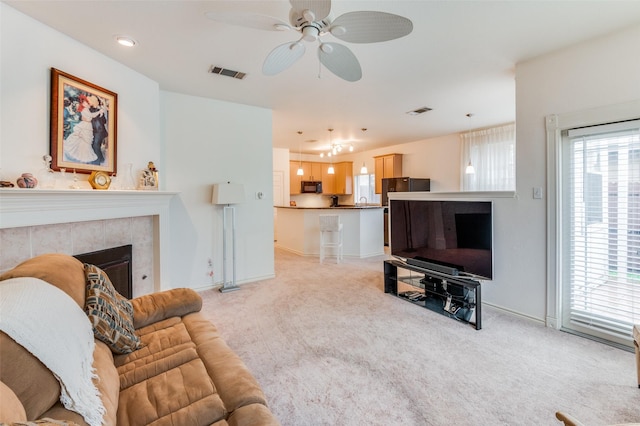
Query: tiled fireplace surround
{"type": "Point", "coordinates": [34, 221]}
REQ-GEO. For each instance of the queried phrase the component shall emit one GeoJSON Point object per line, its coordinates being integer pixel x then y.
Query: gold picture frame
{"type": "Point", "coordinates": [83, 125]}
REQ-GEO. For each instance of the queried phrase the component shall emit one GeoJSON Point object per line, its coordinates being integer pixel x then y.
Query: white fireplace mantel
{"type": "Point", "coordinates": [32, 207]}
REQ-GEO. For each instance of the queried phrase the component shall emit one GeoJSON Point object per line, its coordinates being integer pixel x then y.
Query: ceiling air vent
{"type": "Point", "coordinates": [419, 111]}
{"type": "Point", "coordinates": [229, 73]}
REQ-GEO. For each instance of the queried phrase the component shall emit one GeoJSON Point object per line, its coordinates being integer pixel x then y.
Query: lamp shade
{"type": "Point", "coordinates": [228, 193]}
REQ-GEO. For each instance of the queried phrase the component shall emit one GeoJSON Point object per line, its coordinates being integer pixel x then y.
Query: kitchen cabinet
{"type": "Point", "coordinates": [328, 181]}
{"type": "Point", "coordinates": [344, 178]}
{"type": "Point", "coordinates": [312, 171]}
{"type": "Point", "coordinates": [387, 166]}
{"type": "Point", "coordinates": [294, 179]}
{"type": "Point", "coordinates": [341, 182]}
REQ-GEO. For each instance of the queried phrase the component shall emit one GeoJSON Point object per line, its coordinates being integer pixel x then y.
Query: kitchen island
{"type": "Point", "coordinates": [298, 229]}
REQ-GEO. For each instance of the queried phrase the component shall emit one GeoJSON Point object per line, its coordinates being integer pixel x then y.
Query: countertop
{"type": "Point", "coordinates": [331, 208]}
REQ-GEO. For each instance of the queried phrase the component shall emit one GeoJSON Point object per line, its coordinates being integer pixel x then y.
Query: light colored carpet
{"type": "Point", "coordinates": [329, 347]}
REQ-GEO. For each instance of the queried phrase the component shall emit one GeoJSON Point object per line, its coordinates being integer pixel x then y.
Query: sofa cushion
{"type": "Point", "coordinates": [155, 307]}
{"type": "Point", "coordinates": [60, 270]}
{"type": "Point", "coordinates": [11, 409]}
{"type": "Point", "coordinates": [34, 385]}
{"type": "Point", "coordinates": [110, 313]}
{"type": "Point", "coordinates": [165, 382]}
{"type": "Point", "coordinates": [236, 385]}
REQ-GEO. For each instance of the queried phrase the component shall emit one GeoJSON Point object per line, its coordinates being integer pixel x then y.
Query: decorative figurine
{"type": "Point", "coordinates": [149, 177]}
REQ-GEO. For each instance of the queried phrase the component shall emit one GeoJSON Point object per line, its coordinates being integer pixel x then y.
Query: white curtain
{"type": "Point", "coordinates": [491, 153]}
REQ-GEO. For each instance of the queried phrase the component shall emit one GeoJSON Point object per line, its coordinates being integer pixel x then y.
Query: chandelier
{"type": "Point", "coordinates": [335, 148]}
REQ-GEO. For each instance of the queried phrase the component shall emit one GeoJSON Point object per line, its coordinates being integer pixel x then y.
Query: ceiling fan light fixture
{"type": "Point", "coordinates": [310, 33]}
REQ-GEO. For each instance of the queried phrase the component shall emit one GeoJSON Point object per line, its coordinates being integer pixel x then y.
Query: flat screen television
{"type": "Point", "coordinates": [457, 235]}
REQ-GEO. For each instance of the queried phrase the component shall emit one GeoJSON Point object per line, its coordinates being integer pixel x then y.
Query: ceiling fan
{"type": "Point", "coordinates": [311, 19]}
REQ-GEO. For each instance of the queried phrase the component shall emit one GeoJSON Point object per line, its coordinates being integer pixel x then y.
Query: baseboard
{"type": "Point", "coordinates": [516, 313]}
{"type": "Point", "coordinates": [239, 283]}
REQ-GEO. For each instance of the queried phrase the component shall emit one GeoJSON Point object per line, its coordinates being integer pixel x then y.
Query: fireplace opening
{"type": "Point", "coordinates": [116, 263]}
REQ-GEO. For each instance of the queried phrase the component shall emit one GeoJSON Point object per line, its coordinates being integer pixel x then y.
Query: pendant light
{"type": "Point", "coordinates": [330, 170]}
{"type": "Point", "coordinates": [470, 170]}
{"type": "Point", "coordinates": [363, 170]}
{"type": "Point", "coordinates": [300, 172]}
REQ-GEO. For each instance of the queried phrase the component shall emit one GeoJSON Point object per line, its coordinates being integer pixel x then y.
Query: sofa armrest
{"type": "Point", "coordinates": [155, 307]}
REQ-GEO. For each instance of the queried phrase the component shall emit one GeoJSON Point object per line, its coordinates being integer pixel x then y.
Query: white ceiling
{"type": "Point", "coordinates": [459, 59]}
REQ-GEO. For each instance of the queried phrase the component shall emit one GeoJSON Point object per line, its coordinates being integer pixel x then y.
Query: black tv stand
{"type": "Point", "coordinates": [454, 296]}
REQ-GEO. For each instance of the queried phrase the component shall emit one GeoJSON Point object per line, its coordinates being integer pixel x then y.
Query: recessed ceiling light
{"type": "Point", "coordinates": [125, 41]}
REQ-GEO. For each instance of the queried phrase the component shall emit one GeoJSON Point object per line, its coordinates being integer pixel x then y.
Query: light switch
{"type": "Point", "coordinates": [537, 192]}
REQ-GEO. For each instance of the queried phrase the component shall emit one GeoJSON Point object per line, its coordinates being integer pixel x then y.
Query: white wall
{"type": "Point", "coordinates": [602, 72]}
{"type": "Point", "coordinates": [437, 159]}
{"type": "Point", "coordinates": [207, 142]}
{"type": "Point", "coordinates": [197, 143]}
{"type": "Point", "coordinates": [28, 50]}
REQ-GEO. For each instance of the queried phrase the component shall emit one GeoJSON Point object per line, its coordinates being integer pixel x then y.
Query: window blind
{"type": "Point", "coordinates": [601, 280]}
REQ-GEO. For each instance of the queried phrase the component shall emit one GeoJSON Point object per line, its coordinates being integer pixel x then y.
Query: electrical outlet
{"type": "Point", "coordinates": [537, 192]}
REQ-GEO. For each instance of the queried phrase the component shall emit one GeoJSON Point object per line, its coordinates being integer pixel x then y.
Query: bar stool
{"type": "Point", "coordinates": [330, 235]}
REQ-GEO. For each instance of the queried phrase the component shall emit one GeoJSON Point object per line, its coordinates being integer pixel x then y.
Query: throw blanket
{"type": "Point", "coordinates": [48, 323]}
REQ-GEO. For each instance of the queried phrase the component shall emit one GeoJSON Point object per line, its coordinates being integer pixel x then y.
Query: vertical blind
{"type": "Point", "coordinates": [601, 205]}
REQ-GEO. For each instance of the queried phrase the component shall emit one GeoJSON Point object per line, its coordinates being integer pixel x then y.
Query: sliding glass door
{"type": "Point", "coordinates": [601, 223]}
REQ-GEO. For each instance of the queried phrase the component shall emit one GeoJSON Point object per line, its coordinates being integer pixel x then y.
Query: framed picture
{"type": "Point", "coordinates": [83, 125]}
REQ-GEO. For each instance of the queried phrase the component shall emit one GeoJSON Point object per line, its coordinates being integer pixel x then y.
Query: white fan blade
{"type": "Point", "coordinates": [282, 57]}
{"type": "Point", "coordinates": [370, 27]}
{"type": "Point", "coordinates": [299, 8]}
{"type": "Point", "coordinates": [340, 60]}
{"type": "Point", "coordinates": [249, 20]}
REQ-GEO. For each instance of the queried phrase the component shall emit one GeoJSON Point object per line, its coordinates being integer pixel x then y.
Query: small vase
{"type": "Point", "coordinates": [46, 176]}
{"type": "Point", "coordinates": [27, 180]}
{"type": "Point", "coordinates": [126, 180]}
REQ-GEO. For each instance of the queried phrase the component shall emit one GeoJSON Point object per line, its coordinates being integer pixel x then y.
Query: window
{"type": "Point", "coordinates": [365, 186]}
{"type": "Point", "coordinates": [491, 153]}
{"type": "Point", "coordinates": [601, 230]}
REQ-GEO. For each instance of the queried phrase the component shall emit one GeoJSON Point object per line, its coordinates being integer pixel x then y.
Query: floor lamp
{"type": "Point", "coordinates": [227, 194]}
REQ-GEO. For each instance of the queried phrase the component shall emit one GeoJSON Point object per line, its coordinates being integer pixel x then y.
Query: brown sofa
{"type": "Point", "coordinates": [184, 373]}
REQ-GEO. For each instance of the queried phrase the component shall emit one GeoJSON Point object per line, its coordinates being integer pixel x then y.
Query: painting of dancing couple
{"type": "Point", "coordinates": [83, 125]}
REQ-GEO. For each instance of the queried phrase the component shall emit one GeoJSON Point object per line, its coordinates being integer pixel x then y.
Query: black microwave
{"type": "Point", "coordinates": [311, 187]}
